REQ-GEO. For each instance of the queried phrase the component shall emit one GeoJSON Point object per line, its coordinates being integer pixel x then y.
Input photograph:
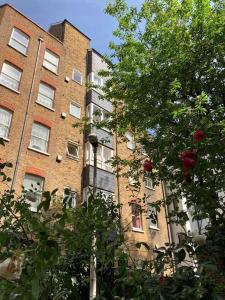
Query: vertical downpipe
{"type": "Point", "coordinates": [26, 118]}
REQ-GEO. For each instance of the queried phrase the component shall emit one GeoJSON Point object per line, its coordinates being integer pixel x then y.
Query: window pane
{"type": "Point", "coordinates": [5, 120]}
{"type": "Point", "coordinates": [69, 198]}
{"type": "Point", "coordinates": [130, 141]}
{"type": "Point", "coordinates": [21, 48]}
{"type": "Point", "coordinates": [33, 186]}
{"type": "Point", "coordinates": [11, 71]}
{"type": "Point", "coordinates": [75, 110]}
{"type": "Point", "coordinates": [97, 80]}
{"type": "Point", "coordinates": [77, 76]}
{"type": "Point", "coordinates": [39, 137]}
{"type": "Point", "coordinates": [51, 61]}
{"type": "Point", "coordinates": [19, 40]}
{"type": "Point", "coordinates": [73, 150]}
{"type": "Point", "coordinates": [153, 220]}
{"type": "Point", "coordinates": [136, 216]}
{"type": "Point", "coordinates": [20, 36]}
{"type": "Point", "coordinates": [97, 113]}
{"type": "Point", "coordinates": [149, 182]}
{"type": "Point", "coordinates": [10, 76]}
{"type": "Point", "coordinates": [46, 95]}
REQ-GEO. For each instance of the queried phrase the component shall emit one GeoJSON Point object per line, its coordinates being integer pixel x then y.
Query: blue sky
{"type": "Point", "coordinates": [87, 15]}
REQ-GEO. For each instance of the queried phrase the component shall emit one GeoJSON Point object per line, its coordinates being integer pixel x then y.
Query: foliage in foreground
{"type": "Point", "coordinates": [56, 246]}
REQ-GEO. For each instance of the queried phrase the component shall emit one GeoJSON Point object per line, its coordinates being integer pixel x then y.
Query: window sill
{"type": "Point", "coordinates": [17, 50]}
{"type": "Point", "coordinates": [39, 151]}
{"type": "Point", "coordinates": [154, 228]}
{"type": "Point", "coordinates": [9, 88]}
{"type": "Point", "coordinates": [72, 157]}
{"type": "Point", "coordinates": [137, 230]}
{"type": "Point", "coordinates": [52, 109]}
{"type": "Point", "coordinates": [57, 74]}
{"type": "Point", "coordinates": [5, 139]}
{"type": "Point", "coordinates": [80, 83]}
{"type": "Point", "coordinates": [150, 188]}
{"type": "Point", "coordinates": [74, 117]}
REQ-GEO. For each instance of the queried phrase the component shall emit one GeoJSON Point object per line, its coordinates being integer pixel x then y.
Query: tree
{"type": "Point", "coordinates": [167, 85]}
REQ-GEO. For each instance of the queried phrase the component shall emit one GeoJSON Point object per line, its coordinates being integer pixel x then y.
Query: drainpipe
{"type": "Point", "coordinates": [26, 118]}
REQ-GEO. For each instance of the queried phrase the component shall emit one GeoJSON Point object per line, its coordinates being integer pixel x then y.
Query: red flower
{"type": "Point", "coordinates": [161, 280]}
{"type": "Point", "coordinates": [148, 166]}
{"type": "Point", "coordinates": [188, 159]}
{"type": "Point", "coordinates": [199, 135]}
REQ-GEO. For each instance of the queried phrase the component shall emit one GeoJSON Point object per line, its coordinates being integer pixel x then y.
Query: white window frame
{"type": "Point", "coordinates": [77, 105]}
{"type": "Point", "coordinates": [132, 181]}
{"type": "Point", "coordinates": [72, 195]}
{"type": "Point", "coordinates": [41, 94]}
{"type": "Point", "coordinates": [101, 162]}
{"type": "Point", "coordinates": [86, 193]}
{"type": "Point", "coordinates": [48, 64]}
{"type": "Point", "coordinates": [133, 215]}
{"type": "Point", "coordinates": [91, 78]}
{"type": "Point", "coordinates": [16, 43]}
{"type": "Point", "coordinates": [6, 125]}
{"type": "Point", "coordinates": [81, 76]}
{"type": "Point", "coordinates": [153, 217]}
{"type": "Point", "coordinates": [130, 140]}
{"type": "Point", "coordinates": [78, 150]}
{"type": "Point", "coordinates": [147, 180]}
{"type": "Point", "coordinates": [34, 193]}
{"type": "Point", "coordinates": [90, 114]}
{"type": "Point", "coordinates": [36, 147]}
{"type": "Point", "coordinates": [7, 80]}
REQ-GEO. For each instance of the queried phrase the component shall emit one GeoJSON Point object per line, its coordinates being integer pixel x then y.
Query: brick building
{"type": "Point", "coordinates": [43, 92]}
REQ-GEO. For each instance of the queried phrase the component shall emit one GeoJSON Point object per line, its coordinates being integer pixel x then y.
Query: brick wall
{"type": "Point", "coordinates": [72, 54]}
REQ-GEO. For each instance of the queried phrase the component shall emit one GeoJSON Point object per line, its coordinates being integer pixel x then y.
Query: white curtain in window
{"type": "Point", "coordinates": [19, 40]}
{"type": "Point", "coordinates": [46, 95]}
{"type": "Point", "coordinates": [33, 186]}
{"type": "Point", "coordinates": [75, 110]}
{"type": "Point", "coordinates": [10, 76]}
{"type": "Point", "coordinates": [39, 137]}
{"type": "Point", "coordinates": [5, 119]}
{"type": "Point", "coordinates": [51, 61]}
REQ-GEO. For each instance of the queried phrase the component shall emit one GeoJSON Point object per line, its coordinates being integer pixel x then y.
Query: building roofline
{"type": "Point", "coordinates": [98, 53]}
{"type": "Point", "coordinates": [66, 21]}
{"type": "Point", "coordinates": [7, 4]}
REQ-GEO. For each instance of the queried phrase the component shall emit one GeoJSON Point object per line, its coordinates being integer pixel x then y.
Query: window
{"type": "Point", "coordinates": [39, 137]}
{"type": "Point", "coordinates": [75, 110]}
{"type": "Point", "coordinates": [72, 150]}
{"type": "Point", "coordinates": [130, 141]}
{"type": "Point", "coordinates": [96, 79]}
{"type": "Point", "coordinates": [10, 76]}
{"type": "Point", "coordinates": [97, 114]}
{"type": "Point", "coordinates": [104, 154]}
{"type": "Point", "coordinates": [143, 151]}
{"type": "Point", "coordinates": [69, 198]}
{"type": "Point", "coordinates": [5, 121]}
{"type": "Point", "coordinates": [149, 182]}
{"type": "Point", "coordinates": [19, 40]}
{"type": "Point", "coordinates": [46, 95]}
{"type": "Point", "coordinates": [106, 196]}
{"type": "Point", "coordinates": [132, 181]}
{"type": "Point", "coordinates": [33, 186]}
{"type": "Point", "coordinates": [153, 219]}
{"type": "Point", "coordinates": [77, 76]}
{"type": "Point", "coordinates": [136, 216]}
{"type": "Point", "coordinates": [51, 61]}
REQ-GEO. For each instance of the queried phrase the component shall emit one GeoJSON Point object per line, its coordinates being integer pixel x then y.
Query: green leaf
{"type": "Point", "coordinates": [35, 288]}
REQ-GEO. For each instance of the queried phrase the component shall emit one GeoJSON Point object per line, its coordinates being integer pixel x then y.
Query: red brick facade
{"type": "Point", "coordinates": [67, 172]}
